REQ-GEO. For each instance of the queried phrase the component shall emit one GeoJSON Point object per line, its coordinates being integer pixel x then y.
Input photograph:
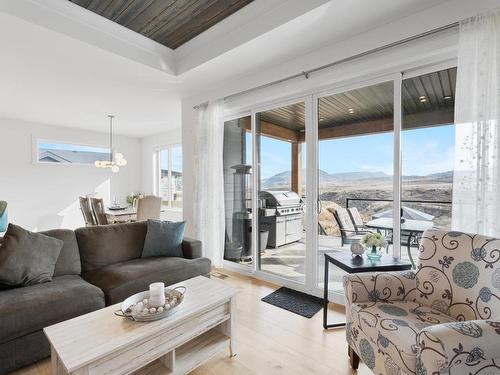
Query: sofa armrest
{"type": "Point", "coordinates": [379, 286]}
{"type": "Point", "coordinates": [191, 248]}
{"type": "Point", "coordinates": [469, 343]}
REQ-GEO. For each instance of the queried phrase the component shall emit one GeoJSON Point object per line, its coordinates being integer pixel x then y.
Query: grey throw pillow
{"type": "Point", "coordinates": [27, 258]}
{"type": "Point", "coordinates": [164, 239]}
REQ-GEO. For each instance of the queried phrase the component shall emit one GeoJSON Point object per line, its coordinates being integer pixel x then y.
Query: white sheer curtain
{"type": "Point", "coordinates": [476, 185]}
{"type": "Point", "coordinates": [209, 180]}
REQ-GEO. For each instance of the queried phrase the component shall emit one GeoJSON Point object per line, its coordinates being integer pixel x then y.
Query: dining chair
{"type": "Point", "coordinates": [99, 212]}
{"type": "Point", "coordinates": [148, 207]}
{"type": "Point", "coordinates": [88, 215]}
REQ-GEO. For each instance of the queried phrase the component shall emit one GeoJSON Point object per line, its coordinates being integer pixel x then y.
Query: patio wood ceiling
{"type": "Point", "coordinates": [428, 100]}
{"type": "Point", "coordinates": [169, 22]}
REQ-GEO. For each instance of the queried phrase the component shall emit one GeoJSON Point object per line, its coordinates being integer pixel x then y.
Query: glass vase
{"type": "Point", "coordinates": [374, 253]}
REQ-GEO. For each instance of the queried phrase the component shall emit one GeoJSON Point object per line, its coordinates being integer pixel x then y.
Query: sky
{"type": "Point", "coordinates": [424, 151]}
{"type": "Point", "coordinates": [176, 158]}
{"type": "Point", "coordinates": [64, 146]}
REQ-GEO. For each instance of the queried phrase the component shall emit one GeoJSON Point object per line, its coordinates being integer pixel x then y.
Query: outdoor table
{"type": "Point", "coordinates": [411, 227]}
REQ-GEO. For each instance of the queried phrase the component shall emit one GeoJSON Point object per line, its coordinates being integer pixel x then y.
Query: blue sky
{"type": "Point", "coordinates": [424, 151]}
{"type": "Point", "coordinates": [176, 159]}
{"type": "Point", "coordinates": [65, 146]}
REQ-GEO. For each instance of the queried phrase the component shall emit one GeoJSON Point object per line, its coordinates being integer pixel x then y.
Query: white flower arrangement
{"type": "Point", "coordinates": [373, 239]}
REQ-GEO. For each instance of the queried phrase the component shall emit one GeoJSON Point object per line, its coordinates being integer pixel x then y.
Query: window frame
{"type": "Point", "coordinates": [157, 166]}
{"type": "Point", "coordinates": [36, 140]}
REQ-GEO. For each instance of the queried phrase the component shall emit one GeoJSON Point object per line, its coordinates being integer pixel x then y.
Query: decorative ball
{"type": "Point", "coordinates": [152, 310]}
{"type": "Point", "coordinates": [357, 249]}
{"type": "Point", "coordinates": [145, 312]}
{"type": "Point", "coordinates": [160, 309]}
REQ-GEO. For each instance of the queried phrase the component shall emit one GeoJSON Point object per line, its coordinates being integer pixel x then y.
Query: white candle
{"type": "Point", "coordinates": [157, 294]}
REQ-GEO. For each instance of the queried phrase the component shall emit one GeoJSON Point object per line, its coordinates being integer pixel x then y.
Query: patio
{"type": "Point", "coordinates": [289, 260]}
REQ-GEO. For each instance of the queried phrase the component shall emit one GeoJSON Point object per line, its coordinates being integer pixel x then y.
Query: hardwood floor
{"type": "Point", "coordinates": [270, 340]}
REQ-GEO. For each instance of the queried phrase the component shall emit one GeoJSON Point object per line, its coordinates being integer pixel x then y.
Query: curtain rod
{"type": "Point", "coordinates": [306, 73]}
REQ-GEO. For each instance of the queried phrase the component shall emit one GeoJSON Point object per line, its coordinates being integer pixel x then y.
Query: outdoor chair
{"type": "Point", "coordinates": [356, 218]}
{"type": "Point", "coordinates": [88, 215]}
{"type": "Point", "coordinates": [348, 232]}
{"type": "Point", "coordinates": [443, 318]}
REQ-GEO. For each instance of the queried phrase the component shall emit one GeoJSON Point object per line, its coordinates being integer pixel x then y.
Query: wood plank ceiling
{"type": "Point", "coordinates": [427, 100]}
{"type": "Point", "coordinates": [169, 22]}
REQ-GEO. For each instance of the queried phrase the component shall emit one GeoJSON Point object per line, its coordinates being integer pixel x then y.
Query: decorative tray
{"type": "Point", "coordinates": [137, 307]}
{"type": "Point", "coordinates": [117, 208]}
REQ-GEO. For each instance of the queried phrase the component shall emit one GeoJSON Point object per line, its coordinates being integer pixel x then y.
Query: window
{"type": "Point", "coordinates": [67, 153]}
{"type": "Point", "coordinates": [170, 175]}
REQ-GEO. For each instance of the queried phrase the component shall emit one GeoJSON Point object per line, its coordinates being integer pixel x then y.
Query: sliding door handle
{"type": "Point", "coordinates": [318, 206]}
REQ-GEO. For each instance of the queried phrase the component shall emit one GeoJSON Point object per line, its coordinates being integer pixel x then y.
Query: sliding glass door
{"type": "Point", "coordinates": [427, 156]}
{"type": "Point", "coordinates": [380, 159]}
{"type": "Point", "coordinates": [237, 162]}
{"type": "Point", "coordinates": [355, 170]}
{"type": "Point", "coordinates": [280, 148]}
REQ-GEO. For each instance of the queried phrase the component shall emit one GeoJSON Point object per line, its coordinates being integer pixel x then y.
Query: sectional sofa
{"type": "Point", "coordinates": [98, 266]}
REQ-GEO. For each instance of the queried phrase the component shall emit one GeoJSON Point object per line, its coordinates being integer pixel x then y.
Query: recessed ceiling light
{"type": "Point", "coordinates": [350, 110]}
{"type": "Point", "coordinates": [321, 119]}
{"type": "Point", "coordinates": [423, 98]}
{"type": "Point", "coordinates": [447, 97]}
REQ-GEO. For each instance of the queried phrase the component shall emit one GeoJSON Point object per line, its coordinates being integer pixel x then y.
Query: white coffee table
{"type": "Point", "coordinates": [102, 343]}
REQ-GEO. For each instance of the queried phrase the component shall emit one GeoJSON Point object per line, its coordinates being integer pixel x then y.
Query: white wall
{"type": "Point", "coordinates": [45, 196]}
{"type": "Point", "coordinates": [149, 146]}
{"type": "Point", "coordinates": [441, 47]}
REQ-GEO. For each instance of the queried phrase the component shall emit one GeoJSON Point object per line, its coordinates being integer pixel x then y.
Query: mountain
{"type": "Point", "coordinates": [283, 178]}
{"type": "Point", "coordinates": [435, 177]}
{"type": "Point", "coordinates": [280, 179]}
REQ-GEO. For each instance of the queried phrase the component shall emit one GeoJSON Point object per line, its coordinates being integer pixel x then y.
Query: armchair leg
{"type": "Point", "coordinates": [354, 358]}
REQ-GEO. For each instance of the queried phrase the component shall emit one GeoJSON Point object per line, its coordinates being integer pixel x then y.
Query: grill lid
{"type": "Point", "coordinates": [280, 198]}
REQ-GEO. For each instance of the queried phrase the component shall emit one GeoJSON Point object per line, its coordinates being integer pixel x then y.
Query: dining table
{"type": "Point", "coordinates": [121, 214]}
{"type": "Point", "coordinates": [411, 229]}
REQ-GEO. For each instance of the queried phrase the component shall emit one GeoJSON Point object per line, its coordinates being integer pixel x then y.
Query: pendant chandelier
{"type": "Point", "coordinates": [116, 159]}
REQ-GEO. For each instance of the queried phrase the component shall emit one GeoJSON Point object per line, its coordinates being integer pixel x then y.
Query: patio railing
{"type": "Point", "coordinates": [347, 200]}
{"type": "Point", "coordinates": [440, 209]}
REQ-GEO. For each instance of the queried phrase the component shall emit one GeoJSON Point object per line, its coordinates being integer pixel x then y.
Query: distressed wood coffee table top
{"type": "Point", "coordinates": [84, 342]}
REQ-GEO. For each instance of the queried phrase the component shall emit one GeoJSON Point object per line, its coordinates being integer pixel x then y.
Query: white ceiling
{"type": "Point", "coordinates": [50, 78]}
{"type": "Point", "coordinates": [62, 73]}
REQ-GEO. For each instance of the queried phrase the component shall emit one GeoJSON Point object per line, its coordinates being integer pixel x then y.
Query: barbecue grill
{"type": "Point", "coordinates": [281, 215]}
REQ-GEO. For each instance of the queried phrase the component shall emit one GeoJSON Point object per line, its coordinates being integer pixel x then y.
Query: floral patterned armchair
{"type": "Point", "coordinates": [443, 318]}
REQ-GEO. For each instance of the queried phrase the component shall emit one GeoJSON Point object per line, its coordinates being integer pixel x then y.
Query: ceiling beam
{"type": "Point", "coordinates": [274, 131]}
{"type": "Point", "coordinates": [410, 121]}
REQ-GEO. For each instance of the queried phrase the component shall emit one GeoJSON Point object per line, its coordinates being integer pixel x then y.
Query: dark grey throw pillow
{"type": "Point", "coordinates": [163, 239]}
{"type": "Point", "coordinates": [27, 258]}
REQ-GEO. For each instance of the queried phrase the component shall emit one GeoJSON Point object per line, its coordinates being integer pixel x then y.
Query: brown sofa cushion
{"type": "Point", "coordinates": [104, 245]}
{"type": "Point", "coordinates": [68, 262]}
{"type": "Point", "coordinates": [121, 280]}
{"type": "Point", "coordinates": [27, 258]}
{"type": "Point", "coordinates": [29, 309]}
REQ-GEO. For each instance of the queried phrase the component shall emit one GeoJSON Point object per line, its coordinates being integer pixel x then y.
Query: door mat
{"type": "Point", "coordinates": [294, 301]}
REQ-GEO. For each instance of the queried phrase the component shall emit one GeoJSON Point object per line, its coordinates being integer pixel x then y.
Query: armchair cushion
{"type": "Point", "coordinates": [381, 286]}
{"type": "Point", "coordinates": [461, 347]}
{"type": "Point", "coordinates": [459, 273]}
{"type": "Point", "coordinates": [394, 326]}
